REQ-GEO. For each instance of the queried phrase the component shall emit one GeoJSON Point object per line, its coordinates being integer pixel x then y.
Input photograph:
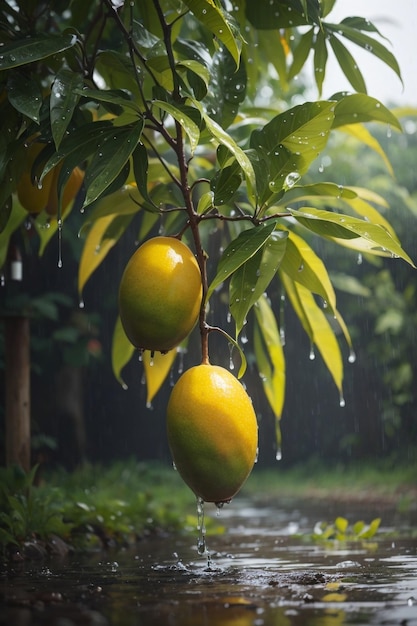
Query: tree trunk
{"type": "Point", "coordinates": [17, 362]}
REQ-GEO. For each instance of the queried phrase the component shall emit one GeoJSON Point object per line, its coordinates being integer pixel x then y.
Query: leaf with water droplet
{"type": "Point", "coordinates": [64, 98]}
{"type": "Point", "coordinates": [269, 355]}
{"type": "Point", "coordinates": [25, 95]}
{"type": "Point", "coordinates": [157, 367]}
{"type": "Point", "coordinates": [121, 352]}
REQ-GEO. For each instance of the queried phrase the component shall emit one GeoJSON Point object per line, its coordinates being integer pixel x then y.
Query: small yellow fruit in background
{"type": "Point", "coordinates": [33, 198]}
{"type": "Point", "coordinates": [212, 432]}
{"type": "Point", "coordinates": [160, 294]}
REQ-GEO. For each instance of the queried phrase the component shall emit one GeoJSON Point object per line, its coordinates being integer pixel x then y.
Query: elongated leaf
{"type": "Point", "coordinates": [360, 132]}
{"type": "Point", "coordinates": [239, 251]}
{"type": "Point", "coordinates": [320, 60]}
{"type": "Point", "coordinates": [187, 123]}
{"type": "Point", "coordinates": [157, 367]}
{"type": "Point", "coordinates": [252, 278]}
{"type": "Point", "coordinates": [371, 237]}
{"type": "Point", "coordinates": [98, 243]}
{"type": "Point", "coordinates": [359, 107]}
{"type": "Point", "coordinates": [25, 95]}
{"type": "Point", "coordinates": [269, 356]}
{"type": "Point", "coordinates": [303, 265]}
{"type": "Point", "coordinates": [64, 99]}
{"type": "Point", "coordinates": [225, 139]}
{"type": "Point", "coordinates": [300, 53]}
{"type": "Point", "coordinates": [121, 352]}
{"type": "Point", "coordinates": [368, 43]}
{"type": "Point", "coordinates": [370, 213]}
{"type": "Point", "coordinates": [348, 65]}
{"type": "Point", "coordinates": [116, 97]}
{"type": "Point", "coordinates": [301, 193]}
{"type": "Point", "coordinates": [141, 168]}
{"type": "Point", "coordinates": [213, 18]}
{"type": "Point", "coordinates": [317, 326]}
{"type": "Point", "coordinates": [111, 156]}
{"type": "Point", "coordinates": [24, 51]}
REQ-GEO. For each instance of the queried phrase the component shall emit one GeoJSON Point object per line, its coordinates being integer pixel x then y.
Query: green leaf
{"type": "Point", "coordinates": [301, 193]}
{"type": "Point", "coordinates": [269, 356]}
{"type": "Point", "coordinates": [141, 168]}
{"type": "Point", "coordinates": [115, 97]}
{"type": "Point", "coordinates": [225, 183]}
{"type": "Point", "coordinates": [370, 237]}
{"type": "Point", "coordinates": [111, 156]}
{"type": "Point", "coordinates": [31, 49]}
{"type": "Point", "coordinates": [239, 251]}
{"type": "Point", "coordinates": [348, 64]}
{"type": "Point", "coordinates": [225, 139]}
{"type": "Point", "coordinates": [368, 43]}
{"type": "Point", "coordinates": [301, 53]}
{"type": "Point", "coordinates": [320, 60]}
{"type": "Point", "coordinates": [341, 524]}
{"type": "Point", "coordinates": [275, 14]}
{"type": "Point", "coordinates": [25, 95]}
{"type": "Point", "coordinates": [215, 19]}
{"type": "Point", "coordinates": [252, 278]}
{"type": "Point", "coordinates": [227, 88]}
{"type": "Point", "coordinates": [359, 107]}
{"type": "Point", "coordinates": [182, 115]}
{"type": "Point", "coordinates": [121, 352]}
{"type": "Point", "coordinates": [64, 99]}
{"type": "Point", "coordinates": [303, 265]}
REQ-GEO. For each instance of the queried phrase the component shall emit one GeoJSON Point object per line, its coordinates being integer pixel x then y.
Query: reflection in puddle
{"type": "Point", "coordinates": [261, 573]}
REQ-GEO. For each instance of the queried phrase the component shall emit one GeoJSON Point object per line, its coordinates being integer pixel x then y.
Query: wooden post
{"type": "Point", "coordinates": [17, 378]}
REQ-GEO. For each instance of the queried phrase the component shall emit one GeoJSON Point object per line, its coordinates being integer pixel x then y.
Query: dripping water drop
{"type": "Point", "coordinates": [342, 402]}
{"type": "Point", "coordinates": [352, 356]}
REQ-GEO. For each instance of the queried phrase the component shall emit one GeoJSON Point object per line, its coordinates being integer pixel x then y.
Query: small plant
{"type": "Point", "coordinates": [340, 530]}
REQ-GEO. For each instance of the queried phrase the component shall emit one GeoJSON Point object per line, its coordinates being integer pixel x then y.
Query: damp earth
{"type": "Point", "coordinates": [264, 570]}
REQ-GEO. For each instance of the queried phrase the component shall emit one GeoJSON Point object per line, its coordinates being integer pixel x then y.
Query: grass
{"type": "Point", "coordinates": [96, 507]}
{"type": "Point", "coordinates": [386, 481]}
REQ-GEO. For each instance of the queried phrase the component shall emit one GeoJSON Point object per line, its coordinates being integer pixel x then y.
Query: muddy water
{"type": "Point", "coordinates": [262, 572]}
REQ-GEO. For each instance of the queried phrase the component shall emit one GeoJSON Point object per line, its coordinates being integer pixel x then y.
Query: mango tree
{"type": "Point", "coordinates": [188, 114]}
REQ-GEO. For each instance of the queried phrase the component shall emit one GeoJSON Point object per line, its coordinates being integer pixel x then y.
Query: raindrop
{"type": "Point", "coordinates": [149, 406]}
{"type": "Point", "coordinates": [59, 242]}
{"type": "Point", "coordinates": [342, 402]}
{"type": "Point", "coordinates": [352, 356]}
{"type": "Point", "coordinates": [389, 131]}
{"type": "Point", "coordinates": [300, 269]}
{"type": "Point", "coordinates": [124, 387]}
{"type": "Point", "coordinates": [244, 338]}
{"type": "Point", "coordinates": [81, 303]}
{"type": "Point", "coordinates": [312, 355]}
{"type": "Point", "coordinates": [411, 601]}
{"type": "Point", "coordinates": [140, 356]}
{"type": "Point", "coordinates": [231, 363]}
{"type": "Point", "coordinates": [360, 259]}
{"type": "Point", "coordinates": [256, 455]}
{"type": "Point", "coordinates": [201, 528]}
{"type": "Point", "coordinates": [278, 455]}
{"type": "Point", "coordinates": [174, 467]}
{"type": "Point", "coordinates": [2, 280]}
{"type": "Point", "coordinates": [291, 179]}
{"type": "Point", "coordinates": [229, 317]}
{"type": "Point", "coordinates": [151, 361]}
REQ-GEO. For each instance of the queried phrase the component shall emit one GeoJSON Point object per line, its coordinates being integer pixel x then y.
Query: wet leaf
{"type": "Point", "coordinates": [348, 65]}
{"type": "Point", "coordinates": [359, 107]}
{"type": "Point", "coordinates": [269, 356]}
{"type": "Point", "coordinates": [251, 279]}
{"type": "Point", "coordinates": [35, 48]}
{"type": "Point", "coordinates": [317, 327]}
{"type": "Point", "coordinates": [64, 99]}
{"type": "Point", "coordinates": [121, 352]}
{"type": "Point", "coordinates": [157, 368]}
{"type": "Point", "coordinates": [239, 251]}
{"type": "Point", "coordinates": [213, 18]}
{"type": "Point", "coordinates": [98, 240]}
{"type": "Point", "coordinates": [367, 237]}
{"type": "Point", "coordinates": [303, 265]}
{"type": "Point", "coordinates": [112, 153]}
{"type": "Point", "coordinates": [25, 95]}
{"type": "Point", "coordinates": [320, 60]}
{"type": "Point", "coordinates": [182, 114]}
{"type": "Point", "coordinates": [361, 133]}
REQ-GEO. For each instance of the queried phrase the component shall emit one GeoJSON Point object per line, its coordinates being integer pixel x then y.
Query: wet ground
{"type": "Point", "coordinates": [263, 571]}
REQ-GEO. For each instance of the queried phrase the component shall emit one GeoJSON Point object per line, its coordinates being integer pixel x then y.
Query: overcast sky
{"type": "Point", "coordinates": [400, 27]}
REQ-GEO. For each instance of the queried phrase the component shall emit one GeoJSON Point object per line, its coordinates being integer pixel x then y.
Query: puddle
{"type": "Point", "coordinates": [262, 573]}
